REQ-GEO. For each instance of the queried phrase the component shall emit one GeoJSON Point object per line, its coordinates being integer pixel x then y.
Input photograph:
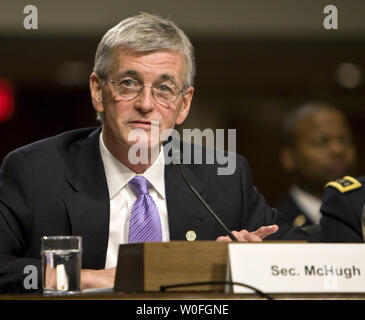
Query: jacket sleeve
{"type": "Point", "coordinates": [16, 209]}
{"type": "Point", "coordinates": [341, 216]}
{"type": "Point", "coordinates": [258, 213]}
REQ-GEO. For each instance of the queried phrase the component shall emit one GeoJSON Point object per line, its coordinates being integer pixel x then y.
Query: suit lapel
{"type": "Point", "coordinates": [185, 211]}
{"type": "Point", "coordinates": [87, 199]}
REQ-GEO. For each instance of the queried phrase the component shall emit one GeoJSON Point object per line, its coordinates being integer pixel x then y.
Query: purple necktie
{"type": "Point", "coordinates": [145, 224]}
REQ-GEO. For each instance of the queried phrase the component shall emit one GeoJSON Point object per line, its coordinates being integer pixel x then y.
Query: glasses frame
{"type": "Point", "coordinates": [113, 82]}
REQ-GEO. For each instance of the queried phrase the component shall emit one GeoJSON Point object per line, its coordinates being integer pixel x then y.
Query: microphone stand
{"type": "Point", "coordinates": [212, 213]}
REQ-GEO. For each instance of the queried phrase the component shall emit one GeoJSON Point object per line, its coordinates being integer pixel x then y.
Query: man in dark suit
{"type": "Point", "coordinates": [317, 147]}
{"type": "Point", "coordinates": [87, 183]}
{"type": "Point", "coordinates": [342, 207]}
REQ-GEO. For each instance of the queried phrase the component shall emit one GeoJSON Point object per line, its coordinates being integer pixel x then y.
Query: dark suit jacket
{"type": "Point", "coordinates": [57, 186]}
{"type": "Point", "coordinates": [341, 214]}
{"type": "Point", "coordinates": [294, 213]}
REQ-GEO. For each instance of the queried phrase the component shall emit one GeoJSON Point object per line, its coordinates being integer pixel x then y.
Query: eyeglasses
{"type": "Point", "coordinates": [165, 92]}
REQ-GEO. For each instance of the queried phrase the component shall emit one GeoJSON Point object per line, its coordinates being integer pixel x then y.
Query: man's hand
{"type": "Point", "coordinates": [255, 236]}
{"type": "Point", "coordinates": [50, 281]}
{"type": "Point", "coordinates": [97, 278]}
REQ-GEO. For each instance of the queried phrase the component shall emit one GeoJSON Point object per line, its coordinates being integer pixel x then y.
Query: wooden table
{"type": "Point", "coordinates": [188, 296]}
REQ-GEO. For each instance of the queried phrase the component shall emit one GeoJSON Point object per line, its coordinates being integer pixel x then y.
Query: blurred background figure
{"type": "Point", "coordinates": [317, 147]}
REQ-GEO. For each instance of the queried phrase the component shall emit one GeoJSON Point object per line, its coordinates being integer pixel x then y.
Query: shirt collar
{"type": "Point", "coordinates": [309, 204]}
{"type": "Point", "coordinates": [118, 175]}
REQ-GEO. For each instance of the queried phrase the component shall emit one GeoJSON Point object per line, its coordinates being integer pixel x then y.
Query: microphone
{"type": "Point", "coordinates": [218, 221]}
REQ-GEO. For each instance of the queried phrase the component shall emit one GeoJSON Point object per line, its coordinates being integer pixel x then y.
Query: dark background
{"type": "Point", "coordinates": [255, 61]}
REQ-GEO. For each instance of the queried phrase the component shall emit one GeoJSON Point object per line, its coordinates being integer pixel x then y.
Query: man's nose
{"type": "Point", "coordinates": [144, 101]}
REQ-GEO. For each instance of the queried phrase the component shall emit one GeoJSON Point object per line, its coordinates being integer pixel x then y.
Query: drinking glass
{"type": "Point", "coordinates": [61, 264]}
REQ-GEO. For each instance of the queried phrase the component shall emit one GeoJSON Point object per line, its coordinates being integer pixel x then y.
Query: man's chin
{"type": "Point", "coordinates": [143, 152]}
{"type": "Point", "coordinates": [143, 144]}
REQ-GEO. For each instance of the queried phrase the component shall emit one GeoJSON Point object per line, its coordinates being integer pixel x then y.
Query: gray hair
{"type": "Point", "coordinates": [144, 33]}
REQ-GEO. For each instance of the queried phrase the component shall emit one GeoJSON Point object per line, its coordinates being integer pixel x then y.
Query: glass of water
{"type": "Point", "coordinates": [61, 264]}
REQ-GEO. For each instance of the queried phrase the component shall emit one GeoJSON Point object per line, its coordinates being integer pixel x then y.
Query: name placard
{"type": "Point", "coordinates": [297, 267]}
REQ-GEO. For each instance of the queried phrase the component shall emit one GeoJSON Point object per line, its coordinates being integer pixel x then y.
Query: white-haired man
{"type": "Point", "coordinates": [84, 182]}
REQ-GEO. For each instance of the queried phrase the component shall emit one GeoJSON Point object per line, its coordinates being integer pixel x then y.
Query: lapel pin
{"type": "Point", "coordinates": [190, 235]}
{"type": "Point", "coordinates": [299, 221]}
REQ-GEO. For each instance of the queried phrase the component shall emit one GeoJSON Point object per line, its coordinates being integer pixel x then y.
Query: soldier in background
{"type": "Point", "coordinates": [317, 147]}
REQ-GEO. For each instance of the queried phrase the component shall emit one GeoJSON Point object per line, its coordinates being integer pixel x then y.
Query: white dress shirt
{"type": "Point", "coordinates": [308, 203]}
{"type": "Point", "coordinates": [122, 198]}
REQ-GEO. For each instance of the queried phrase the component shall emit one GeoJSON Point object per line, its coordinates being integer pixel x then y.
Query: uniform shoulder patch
{"type": "Point", "coordinates": [345, 184]}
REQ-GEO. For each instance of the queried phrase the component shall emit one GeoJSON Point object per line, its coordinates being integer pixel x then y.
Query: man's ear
{"type": "Point", "coordinates": [185, 107]}
{"type": "Point", "coordinates": [96, 93]}
{"type": "Point", "coordinates": [287, 158]}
